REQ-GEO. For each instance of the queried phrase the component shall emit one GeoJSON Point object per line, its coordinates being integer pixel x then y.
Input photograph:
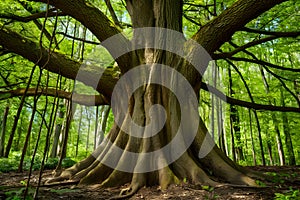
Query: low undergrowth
{"type": "Point", "coordinates": [11, 164]}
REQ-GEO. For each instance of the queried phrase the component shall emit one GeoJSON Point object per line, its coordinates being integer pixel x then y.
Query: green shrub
{"type": "Point", "coordinates": [12, 163]}
{"type": "Point", "coordinates": [290, 195]}
{"type": "Point", "coordinates": [67, 162]}
{"type": "Point", "coordinates": [8, 164]}
{"type": "Point", "coordinates": [51, 163]}
{"type": "Point", "coordinates": [17, 194]}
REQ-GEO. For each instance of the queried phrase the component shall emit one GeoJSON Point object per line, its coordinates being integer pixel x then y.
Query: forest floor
{"type": "Point", "coordinates": [286, 184]}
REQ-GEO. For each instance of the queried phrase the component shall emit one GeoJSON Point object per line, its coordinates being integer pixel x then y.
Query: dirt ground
{"type": "Point", "coordinates": [286, 181]}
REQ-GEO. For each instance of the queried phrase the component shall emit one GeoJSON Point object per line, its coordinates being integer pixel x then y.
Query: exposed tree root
{"type": "Point", "coordinates": [127, 193]}
{"type": "Point", "coordinates": [215, 169]}
{"type": "Point", "coordinates": [186, 167]}
{"type": "Point", "coordinates": [60, 183]}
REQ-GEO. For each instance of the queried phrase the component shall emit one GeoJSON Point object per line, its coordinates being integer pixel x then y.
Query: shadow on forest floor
{"type": "Point", "coordinates": [286, 186]}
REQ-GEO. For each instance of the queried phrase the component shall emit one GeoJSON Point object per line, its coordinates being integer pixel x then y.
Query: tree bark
{"type": "Point", "coordinates": [288, 139]}
{"type": "Point", "coordinates": [212, 115]}
{"type": "Point", "coordinates": [57, 131]}
{"type": "Point", "coordinates": [78, 131]}
{"type": "Point", "coordinates": [278, 138]}
{"type": "Point", "coordinates": [3, 130]}
{"type": "Point", "coordinates": [93, 169]}
{"type": "Point", "coordinates": [252, 140]}
{"type": "Point", "coordinates": [102, 127]}
{"type": "Point", "coordinates": [17, 146]}
{"type": "Point", "coordinates": [69, 117]}
{"type": "Point", "coordinates": [88, 131]}
{"type": "Point", "coordinates": [96, 127]}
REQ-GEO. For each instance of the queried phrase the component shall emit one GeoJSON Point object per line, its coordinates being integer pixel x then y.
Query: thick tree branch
{"type": "Point", "coordinates": [87, 100]}
{"type": "Point", "coordinates": [219, 30]}
{"type": "Point", "coordinates": [59, 63]}
{"type": "Point", "coordinates": [88, 15]}
{"type": "Point", "coordinates": [92, 18]}
{"type": "Point", "coordinates": [246, 104]}
{"type": "Point", "coordinates": [40, 26]}
{"type": "Point", "coordinates": [52, 13]}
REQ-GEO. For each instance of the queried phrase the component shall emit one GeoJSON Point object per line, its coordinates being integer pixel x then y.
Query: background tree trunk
{"type": "Point", "coordinates": [88, 131]}
{"type": "Point", "coordinates": [288, 139]}
{"type": "Point", "coordinates": [3, 130]}
{"type": "Point", "coordinates": [252, 140]}
{"type": "Point", "coordinates": [102, 127]}
{"type": "Point", "coordinates": [275, 122]}
{"type": "Point", "coordinates": [57, 132]}
{"type": "Point", "coordinates": [78, 131]}
{"type": "Point", "coordinates": [96, 127]}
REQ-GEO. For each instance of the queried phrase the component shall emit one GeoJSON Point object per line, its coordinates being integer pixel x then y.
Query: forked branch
{"type": "Point", "coordinates": [100, 79]}
{"type": "Point", "coordinates": [87, 100]}
{"type": "Point", "coordinates": [220, 29]}
{"type": "Point", "coordinates": [51, 13]}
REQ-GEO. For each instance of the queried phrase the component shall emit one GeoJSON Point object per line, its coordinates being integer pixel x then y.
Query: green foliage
{"type": "Point", "coordinates": [207, 188]}
{"type": "Point", "coordinates": [51, 163]}
{"type": "Point", "coordinates": [211, 196]}
{"type": "Point", "coordinates": [260, 183]}
{"type": "Point", "coordinates": [281, 177]}
{"type": "Point", "coordinates": [7, 165]}
{"type": "Point", "coordinates": [12, 163]}
{"type": "Point", "coordinates": [17, 194]}
{"type": "Point", "coordinates": [290, 195]}
{"type": "Point", "coordinates": [64, 190]}
{"type": "Point", "coordinates": [68, 162]}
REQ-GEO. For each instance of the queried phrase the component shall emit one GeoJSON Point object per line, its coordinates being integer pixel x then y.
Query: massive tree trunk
{"type": "Point", "coordinates": [151, 163]}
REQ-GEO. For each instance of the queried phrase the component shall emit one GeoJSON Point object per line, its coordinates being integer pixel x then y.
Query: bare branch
{"type": "Point", "coordinates": [88, 15]}
{"type": "Point", "coordinates": [274, 35]}
{"type": "Point", "coordinates": [261, 62]}
{"type": "Point", "coordinates": [52, 13]}
{"type": "Point", "coordinates": [87, 100]}
{"type": "Point", "coordinates": [246, 104]}
{"type": "Point", "coordinates": [221, 28]}
{"type": "Point", "coordinates": [198, 5]}
{"type": "Point", "coordinates": [11, 85]}
{"type": "Point", "coordinates": [78, 39]}
{"type": "Point", "coordinates": [278, 34]}
{"type": "Point", "coordinates": [241, 48]}
{"type": "Point", "coordinates": [191, 20]}
{"type": "Point", "coordinates": [112, 13]}
{"type": "Point", "coordinates": [96, 21]}
{"type": "Point", "coordinates": [59, 63]}
{"type": "Point", "coordinates": [40, 25]}
{"type": "Point", "coordinates": [269, 71]}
